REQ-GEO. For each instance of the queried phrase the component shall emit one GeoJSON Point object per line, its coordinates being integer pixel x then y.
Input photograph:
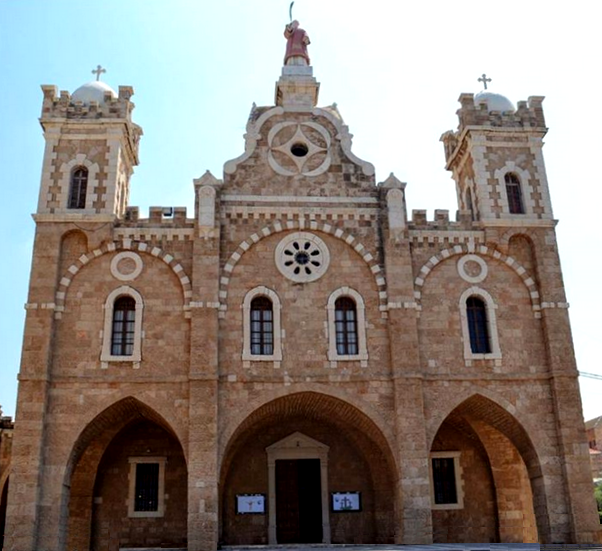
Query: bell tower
{"type": "Point", "coordinates": [91, 151]}
{"type": "Point", "coordinates": [496, 159]}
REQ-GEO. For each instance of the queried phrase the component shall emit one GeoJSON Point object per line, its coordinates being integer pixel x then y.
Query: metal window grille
{"type": "Point", "coordinates": [346, 326]}
{"type": "Point", "coordinates": [147, 487]}
{"type": "Point", "coordinates": [444, 480]}
{"type": "Point", "coordinates": [79, 185]}
{"type": "Point", "coordinates": [514, 193]}
{"type": "Point", "coordinates": [478, 328]}
{"type": "Point", "coordinates": [124, 318]}
{"type": "Point", "coordinates": [262, 327]}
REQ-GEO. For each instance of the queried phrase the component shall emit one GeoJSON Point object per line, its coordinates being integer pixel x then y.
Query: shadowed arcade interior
{"type": "Point", "coordinates": [128, 486]}
{"type": "Point", "coordinates": [498, 477]}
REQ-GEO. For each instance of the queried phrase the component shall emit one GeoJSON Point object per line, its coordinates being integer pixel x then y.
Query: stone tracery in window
{"type": "Point", "coordinates": [302, 257]}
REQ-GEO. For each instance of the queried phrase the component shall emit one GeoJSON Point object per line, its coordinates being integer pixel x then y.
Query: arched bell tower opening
{"type": "Point", "coordinates": [126, 483]}
{"type": "Point", "coordinates": [486, 480]}
{"type": "Point", "coordinates": [322, 470]}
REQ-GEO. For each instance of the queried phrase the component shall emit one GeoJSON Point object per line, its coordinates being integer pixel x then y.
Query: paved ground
{"type": "Point", "coordinates": [436, 547]}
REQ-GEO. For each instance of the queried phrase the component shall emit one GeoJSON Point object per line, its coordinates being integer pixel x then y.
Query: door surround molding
{"type": "Point", "coordinates": [297, 446]}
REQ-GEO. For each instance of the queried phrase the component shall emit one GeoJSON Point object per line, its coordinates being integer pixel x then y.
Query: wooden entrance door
{"type": "Point", "coordinates": [298, 501]}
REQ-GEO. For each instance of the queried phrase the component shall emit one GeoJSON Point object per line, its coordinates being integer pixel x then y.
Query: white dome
{"type": "Point", "coordinates": [494, 102]}
{"type": "Point", "coordinates": [92, 91]}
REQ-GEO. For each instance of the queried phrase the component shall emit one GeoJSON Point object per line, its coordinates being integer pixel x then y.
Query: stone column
{"type": "Point", "coordinates": [203, 468]}
{"type": "Point", "coordinates": [203, 472]}
{"type": "Point", "coordinates": [22, 513]}
{"type": "Point", "coordinates": [413, 493]}
{"type": "Point", "coordinates": [27, 478]}
{"type": "Point", "coordinates": [582, 526]}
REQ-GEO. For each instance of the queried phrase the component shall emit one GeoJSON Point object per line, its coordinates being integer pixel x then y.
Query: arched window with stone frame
{"type": "Point", "coordinates": [262, 339]}
{"type": "Point", "coordinates": [345, 321]}
{"type": "Point", "coordinates": [262, 326]}
{"type": "Point", "coordinates": [122, 331]}
{"type": "Point", "coordinates": [479, 325]}
{"type": "Point", "coordinates": [122, 334]}
{"type": "Point", "coordinates": [347, 326]}
{"type": "Point", "coordinates": [514, 193]}
{"type": "Point", "coordinates": [78, 187]}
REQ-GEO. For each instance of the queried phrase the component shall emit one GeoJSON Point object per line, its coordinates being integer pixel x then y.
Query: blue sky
{"type": "Point", "coordinates": [395, 69]}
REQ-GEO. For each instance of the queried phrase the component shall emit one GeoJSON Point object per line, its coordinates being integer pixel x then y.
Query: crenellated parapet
{"type": "Point", "coordinates": [66, 106]}
{"type": "Point", "coordinates": [441, 220]}
{"type": "Point", "coordinates": [528, 114]}
{"type": "Point", "coordinates": [496, 159]}
{"type": "Point", "coordinates": [175, 217]}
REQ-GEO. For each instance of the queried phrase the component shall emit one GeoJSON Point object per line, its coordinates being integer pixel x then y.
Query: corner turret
{"type": "Point", "coordinates": [496, 159]}
{"type": "Point", "coordinates": [91, 151]}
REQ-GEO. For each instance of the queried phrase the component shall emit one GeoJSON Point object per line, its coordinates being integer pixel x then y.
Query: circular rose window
{"type": "Point", "coordinates": [302, 257]}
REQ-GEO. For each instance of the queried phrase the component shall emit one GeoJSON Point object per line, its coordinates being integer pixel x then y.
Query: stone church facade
{"type": "Point", "coordinates": [297, 360]}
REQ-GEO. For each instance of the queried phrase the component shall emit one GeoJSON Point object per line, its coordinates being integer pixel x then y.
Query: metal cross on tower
{"type": "Point", "coordinates": [484, 80]}
{"type": "Point", "coordinates": [99, 71]}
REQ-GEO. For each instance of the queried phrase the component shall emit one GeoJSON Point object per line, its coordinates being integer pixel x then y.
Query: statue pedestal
{"type": "Point", "coordinates": [297, 89]}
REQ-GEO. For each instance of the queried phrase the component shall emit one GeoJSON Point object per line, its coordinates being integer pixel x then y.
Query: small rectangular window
{"type": "Point", "coordinates": [446, 489]}
{"type": "Point", "coordinates": [147, 487]}
{"type": "Point", "coordinates": [444, 480]}
{"type": "Point", "coordinates": [146, 497]}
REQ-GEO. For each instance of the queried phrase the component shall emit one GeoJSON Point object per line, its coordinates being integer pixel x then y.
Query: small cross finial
{"type": "Point", "coordinates": [98, 71]}
{"type": "Point", "coordinates": [484, 80]}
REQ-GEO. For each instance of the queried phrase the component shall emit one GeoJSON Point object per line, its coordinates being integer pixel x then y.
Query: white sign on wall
{"type": "Point", "coordinates": [250, 504]}
{"type": "Point", "coordinates": [346, 502]}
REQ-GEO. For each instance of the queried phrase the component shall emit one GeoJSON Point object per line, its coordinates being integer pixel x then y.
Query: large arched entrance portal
{"type": "Point", "coordinates": [322, 468]}
{"type": "Point", "coordinates": [126, 484]}
{"type": "Point", "coordinates": [484, 476]}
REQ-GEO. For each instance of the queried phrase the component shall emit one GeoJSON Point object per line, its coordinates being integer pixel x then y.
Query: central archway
{"type": "Point", "coordinates": [270, 455]}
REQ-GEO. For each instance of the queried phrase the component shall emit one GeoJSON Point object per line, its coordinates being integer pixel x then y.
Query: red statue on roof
{"type": "Point", "coordinates": [296, 45]}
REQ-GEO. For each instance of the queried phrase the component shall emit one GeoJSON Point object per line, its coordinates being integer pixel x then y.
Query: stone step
{"type": "Point", "coordinates": [152, 549]}
{"type": "Point", "coordinates": [433, 547]}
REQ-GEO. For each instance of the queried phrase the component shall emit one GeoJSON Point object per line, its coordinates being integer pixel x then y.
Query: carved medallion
{"type": "Point", "coordinates": [299, 149]}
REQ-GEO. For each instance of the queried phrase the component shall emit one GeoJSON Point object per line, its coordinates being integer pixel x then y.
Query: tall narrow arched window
{"type": "Point", "coordinates": [345, 318]}
{"type": "Point", "coordinates": [123, 328]}
{"type": "Point", "coordinates": [514, 193]}
{"type": "Point", "coordinates": [478, 325]}
{"type": "Point", "coordinates": [262, 327]}
{"type": "Point", "coordinates": [469, 204]}
{"type": "Point", "coordinates": [78, 188]}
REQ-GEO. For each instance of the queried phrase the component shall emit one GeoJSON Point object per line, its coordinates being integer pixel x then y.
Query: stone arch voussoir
{"type": "Point", "coordinates": [117, 413]}
{"type": "Point", "coordinates": [462, 396]}
{"type": "Point", "coordinates": [122, 245]}
{"type": "Point", "coordinates": [282, 226]}
{"type": "Point", "coordinates": [471, 248]}
{"type": "Point", "coordinates": [365, 416]}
